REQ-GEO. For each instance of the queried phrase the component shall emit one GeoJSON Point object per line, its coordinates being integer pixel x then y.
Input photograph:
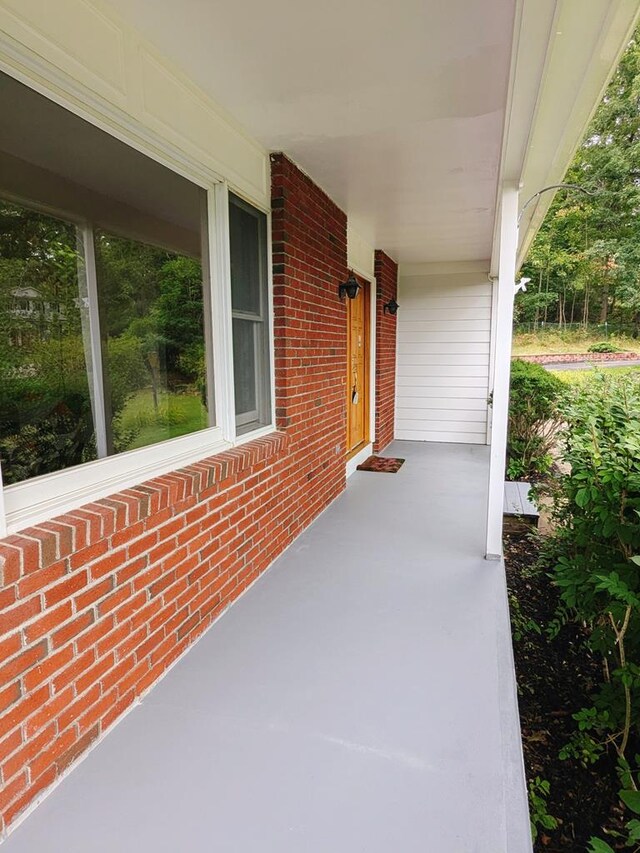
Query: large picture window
{"type": "Point", "coordinates": [108, 318]}
{"type": "Point", "coordinates": [105, 345]}
{"type": "Point", "coordinates": [250, 304]}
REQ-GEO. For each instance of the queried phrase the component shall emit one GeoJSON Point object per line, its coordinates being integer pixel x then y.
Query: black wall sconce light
{"type": "Point", "coordinates": [391, 306]}
{"type": "Point", "coordinates": [349, 288]}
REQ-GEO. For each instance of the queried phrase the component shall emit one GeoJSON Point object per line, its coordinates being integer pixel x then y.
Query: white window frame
{"type": "Point", "coordinates": [260, 321]}
{"type": "Point", "coordinates": [38, 499]}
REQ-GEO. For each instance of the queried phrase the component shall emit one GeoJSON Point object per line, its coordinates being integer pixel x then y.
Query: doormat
{"type": "Point", "coordinates": [385, 464]}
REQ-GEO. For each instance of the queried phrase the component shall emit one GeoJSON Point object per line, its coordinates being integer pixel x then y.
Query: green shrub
{"type": "Point", "coordinates": [534, 419]}
{"type": "Point", "coordinates": [540, 818]}
{"type": "Point", "coordinates": [604, 346]}
{"type": "Point", "coordinates": [127, 370]}
{"type": "Point", "coordinates": [595, 551]}
{"type": "Point", "coordinates": [58, 434]}
{"type": "Point", "coordinates": [46, 419]}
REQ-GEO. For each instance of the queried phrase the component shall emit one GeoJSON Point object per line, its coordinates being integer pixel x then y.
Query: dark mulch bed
{"type": "Point", "coordinates": [555, 677]}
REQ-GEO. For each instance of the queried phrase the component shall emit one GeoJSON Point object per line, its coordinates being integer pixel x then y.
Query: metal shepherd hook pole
{"type": "Point", "coordinates": [553, 187]}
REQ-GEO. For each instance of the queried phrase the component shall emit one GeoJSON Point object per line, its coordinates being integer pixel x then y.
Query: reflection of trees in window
{"type": "Point", "coordinates": [151, 325]}
{"type": "Point", "coordinates": [45, 413]}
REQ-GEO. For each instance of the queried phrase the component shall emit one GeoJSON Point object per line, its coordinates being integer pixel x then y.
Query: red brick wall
{"type": "Point", "coordinates": [96, 604]}
{"type": "Point", "coordinates": [309, 235]}
{"type": "Point", "coordinates": [386, 272]}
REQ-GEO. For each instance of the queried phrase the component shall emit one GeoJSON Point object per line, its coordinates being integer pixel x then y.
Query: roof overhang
{"type": "Point", "coordinates": [395, 110]}
{"type": "Point", "coordinates": [564, 54]}
{"type": "Point", "coordinates": [411, 116]}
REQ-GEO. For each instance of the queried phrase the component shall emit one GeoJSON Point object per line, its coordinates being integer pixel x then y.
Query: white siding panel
{"type": "Point", "coordinates": [461, 416]}
{"type": "Point", "coordinates": [451, 303]}
{"type": "Point", "coordinates": [469, 358]}
{"type": "Point", "coordinates": [444, 382]}
{"type": "Point", "coordinates": [415, 404]}
{"type": "Point", "coordinates": [434, 435]}
{"type": "Point", "coordinates": [456, 315]}
{"type": "Point", "coordinates": [447, 370]}
{"type": "Point", "coordinates": [444, 331]}
{"type": "Point", "coordinates": [456, 348]}
{"type": "Point", "coordinates": [454, 324]}
{"type": "Point", "coordinates": [445, 336]}
{"type": "Point", "coordinates": [455, 426]}
{"type": "Point", "coordinates": [437, 392]}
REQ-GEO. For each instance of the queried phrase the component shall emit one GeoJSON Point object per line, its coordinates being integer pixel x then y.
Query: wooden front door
{"type": "Point", "coordinates": [358, 370]}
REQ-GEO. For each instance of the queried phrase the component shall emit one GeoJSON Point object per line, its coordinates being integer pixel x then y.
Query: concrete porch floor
{"type": "Point", "coordinates": [359, 697]}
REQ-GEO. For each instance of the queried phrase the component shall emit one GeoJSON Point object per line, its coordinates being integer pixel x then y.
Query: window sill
{"type": "Point", "coordinates": [58, 538]}
{"type": "Point", "coordinates": [43, 498]}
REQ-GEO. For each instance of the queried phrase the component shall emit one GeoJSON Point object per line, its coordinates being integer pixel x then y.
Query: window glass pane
{"type": "Point", "coordinates": [46, 420]}
{"type": "Point", "coordinates": [244, 228]}
{"type": "Point", "coordinates": [152, 325]}
{"type": "Point", "coordinates": [106, 323]}
{"type": "Point", "coordinates": [244, 368]}
{"type": "Point", "coordinates": [249, 290]}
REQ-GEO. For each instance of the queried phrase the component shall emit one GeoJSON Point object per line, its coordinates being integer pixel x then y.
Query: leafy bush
{"type": "Point", "coordinates": [534, 419]}
{"type": "Point", "coordinates": [59, 434]}
{"type": "Point", "coordinates": [630, 797]}
{"type": "Point", "coordinates": [595, 548]}
{"type": "Point", "coordinates": [46, 419]}
{"type": "Point", "coordinates": [127, 370]}
{"type": "Point", "coordinates": [539, 790]}
{"type": "Point", "coordinates": [604, 346]}
{"type": "Point", "coordinates": [191, 363]}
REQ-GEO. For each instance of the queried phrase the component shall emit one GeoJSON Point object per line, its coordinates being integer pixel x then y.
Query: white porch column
{"type": "Point", "coordinates": [502, 329]}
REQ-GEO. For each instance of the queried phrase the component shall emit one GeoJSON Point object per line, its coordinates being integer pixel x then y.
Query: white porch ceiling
{"type": "Point", "coordinates": [395, 109]}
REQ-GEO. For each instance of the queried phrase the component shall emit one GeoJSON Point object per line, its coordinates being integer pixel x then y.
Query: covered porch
{"type": "Point", "coordinates": [360, 696]}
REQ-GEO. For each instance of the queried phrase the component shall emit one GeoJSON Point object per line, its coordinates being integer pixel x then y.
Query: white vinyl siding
{"type": "Point", "coordinates": [444, 339]}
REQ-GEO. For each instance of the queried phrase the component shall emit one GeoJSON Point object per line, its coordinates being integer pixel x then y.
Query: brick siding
{"type": "Point", "coordinates": [386, 272]}
{"type": "Point", "coordinates": [96, 604]}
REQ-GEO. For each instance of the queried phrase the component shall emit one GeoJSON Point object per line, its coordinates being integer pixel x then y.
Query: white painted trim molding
{"type": "Point", "coordinates": [360, 255]}
{"type": "Point", "coordinates": [222, 314]}
{"type": "Point", "coordinates": [358, 459]}
{"type": "Point", "coordinates": [51, 495]}
{"type": "Point", "coordinates": [502, 330]}
{"type": "Point", "coordinates": [373, 353]}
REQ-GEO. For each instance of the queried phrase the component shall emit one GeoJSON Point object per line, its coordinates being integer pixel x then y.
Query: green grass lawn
{"type": "Point", "coordinates": [579, 377]}
{"type": "Point", "coordinates": [557, 342]}
{"type": "Point", "coordinates": [177, 414]}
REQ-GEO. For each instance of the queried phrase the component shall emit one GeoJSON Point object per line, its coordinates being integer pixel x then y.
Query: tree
{"type": "Point", "coordinates": [585, 261]}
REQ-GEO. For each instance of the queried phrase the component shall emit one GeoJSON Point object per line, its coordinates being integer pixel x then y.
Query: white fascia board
{"type": "Point", "coordinates": [564, 55]}
{"type": "Point", "coordinates": [360, 254]}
